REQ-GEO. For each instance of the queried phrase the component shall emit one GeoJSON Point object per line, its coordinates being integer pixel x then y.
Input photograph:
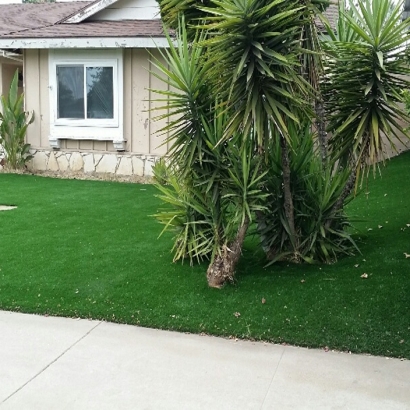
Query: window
{"type": "Point", "coordinates": [85, 92]}
{"type": "Point", "coordinates": [86, 95]}
{"type": "Point", "coordinates": [86, 89]}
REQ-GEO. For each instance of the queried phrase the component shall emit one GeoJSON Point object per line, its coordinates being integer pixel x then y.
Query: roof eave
{"type": "Point", "coordinates": [83, 42]}
{"type": "Point", "coordinates": [87, 11]}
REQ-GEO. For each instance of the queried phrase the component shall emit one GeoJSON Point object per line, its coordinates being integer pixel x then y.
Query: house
{"type": "Point", "coordinates": [86, 72]}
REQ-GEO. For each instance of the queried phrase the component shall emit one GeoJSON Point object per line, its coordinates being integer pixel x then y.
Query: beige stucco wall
{"type": "Point", "coordinates": [35, 79]}
{"type": "Point", "coordinates": [139, 123]}
{"type": "Point", "coordinates": [7, 70]}
{"type": "Point", "coordinates": [140, 126]}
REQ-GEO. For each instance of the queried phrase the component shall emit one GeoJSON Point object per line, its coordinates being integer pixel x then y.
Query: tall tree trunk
{"type": "Point", "coordinates": [222, 269]}
{"type": "Point", "coordinates": [287, 191]}
{"type": "Point", "coordinates": [321, 129]}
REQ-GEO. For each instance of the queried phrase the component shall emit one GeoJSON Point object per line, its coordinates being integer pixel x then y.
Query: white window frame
{"type": "Point", "coordinates": [94, 128]}
{"type": "Point", "coordinates": [88, 122]}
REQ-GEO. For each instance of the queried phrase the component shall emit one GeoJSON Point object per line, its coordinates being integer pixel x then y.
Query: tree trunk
{"type": "Point", "coordinates": [321, 130]}
{"type": "Point", "coordinates": [345, 193]}
{"type": "Point", "coordinates": [222, 269]}
{"type": "Point", "coordinates": [287, 191]}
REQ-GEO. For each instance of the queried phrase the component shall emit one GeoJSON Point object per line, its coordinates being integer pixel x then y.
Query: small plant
{"type": "Point", "coordinates": [13, 127]}
{"type": "Point", "coordinates": [161, 172]}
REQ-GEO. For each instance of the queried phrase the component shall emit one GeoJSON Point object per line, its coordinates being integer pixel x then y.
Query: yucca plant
{"type": "Point", "coordinates": [365, 74]}
{"type": "Point", "coordinates": [161, 172]}
{"type": "Point", "coordinates": [192, 215]}
{"type": "Point", "coordinates": [194, 171]}
{"type": "Point", "coordinates": [214, 183]}
{"type": "Point", "coordinates": [257, 47]}
{"type": "Point", "coordinates": [13, 127]}
{"type": "Point", "coordinates": [316, 187]}
{"type": "Point", "coordinates": [173, 10]}
{"type": "Point", "coordinates": [243, 196]}
{"type": "Point", "coordinates": [240, 112]}
{"type": "Point", "coordinates": [248, 56]}
{"type": "Point", "coordinates": [187, 102]}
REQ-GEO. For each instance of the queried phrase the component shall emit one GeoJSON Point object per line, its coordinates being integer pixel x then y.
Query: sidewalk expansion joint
{"type": "Point", "coordinates": [51, 363]}
{"type": "Point", "coordinates": [273, 377]}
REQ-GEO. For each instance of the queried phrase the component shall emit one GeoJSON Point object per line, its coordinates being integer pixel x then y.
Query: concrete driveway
{"type": "Point", "coordinates": [57, 363]}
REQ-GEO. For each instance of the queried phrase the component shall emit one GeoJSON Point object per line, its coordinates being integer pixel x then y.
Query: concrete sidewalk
{"type": "Point", "coordinates": [57, 363]}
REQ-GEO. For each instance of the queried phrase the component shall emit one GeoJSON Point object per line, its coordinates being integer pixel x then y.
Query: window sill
{"type": "Point", "coordinates": [54, 141]}
{"type": "Point", "coordinates": [88, 123]}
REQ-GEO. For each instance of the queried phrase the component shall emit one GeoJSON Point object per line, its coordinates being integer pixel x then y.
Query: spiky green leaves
{"type": "Point", "coordinates": [239, 88]}
{"type": "Point", "coordinates": [365, 73]}
{"type": "Point", "coordinates": [187, 100]}
{"type": "Point", "coordinates": [322, 230]}
{"type": "Point", "coordinates": [173, 10]}
{"type": "Point", "coordinates": [213, 185]}
{"type": "Point", "coordinates": [255, 49]}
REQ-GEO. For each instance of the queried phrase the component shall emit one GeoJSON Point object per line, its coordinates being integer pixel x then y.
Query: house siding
{"type": "Point", "coordinates": [33, 101]}
{"type": "Point", "coordinates": [129, 9]}
{"type": "Point", "coordinates": [139, 124]}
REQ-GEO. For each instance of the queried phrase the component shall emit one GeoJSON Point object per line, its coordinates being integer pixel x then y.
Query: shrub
{"type": "Point", "coordinates": [322, 231]}
{"type": "Point", "coordinates": [13, 127]}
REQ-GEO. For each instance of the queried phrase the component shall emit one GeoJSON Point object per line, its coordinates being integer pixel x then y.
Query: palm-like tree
{"type": "Point", "coordinates": [244, 77]}
{"type": "Point", "coordinates": [255, 65]}
{"type": "Point", "coordinates": [365, 74]}
{"type": "Point", "coordinates": [214, 184]}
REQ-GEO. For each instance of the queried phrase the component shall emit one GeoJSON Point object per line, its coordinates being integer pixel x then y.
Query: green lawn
{"type": "Point", "coordinates": [89, 249]}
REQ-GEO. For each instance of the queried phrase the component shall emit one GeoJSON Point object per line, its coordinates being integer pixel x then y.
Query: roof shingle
{"type": "Point", "coordinates": [93, 29]}
{"type": "Point", "coordinates": [18, 17]}
{"type": "Point", "coordinates": [46, 20]}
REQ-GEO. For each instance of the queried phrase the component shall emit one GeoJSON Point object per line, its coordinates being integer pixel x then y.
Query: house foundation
{"type": "Point", "coordinates": [95, 163]}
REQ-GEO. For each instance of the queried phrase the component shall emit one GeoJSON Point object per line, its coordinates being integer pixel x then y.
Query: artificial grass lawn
{"type": "Point", "coordinates": [90, 249]}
